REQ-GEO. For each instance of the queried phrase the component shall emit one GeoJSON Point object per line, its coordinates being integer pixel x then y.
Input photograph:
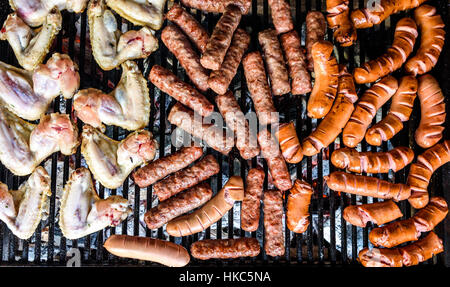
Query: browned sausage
{"type": "Point", "coordinates": [179, 45]}
{"type": "Point", "coordinates": [225, 248]}
{"type": "Point", "coordinates": [316, 28]}
{"type": "Point", "coordinates": [217, 6]}
{"type": "Point", "coordinates": [273, 223]}
{"type": "Point", "coordinates": [378, 213]}
{"type": "Point", "coordinates": [281, 16]}
{"type": "Point", "coordinates": [186, 178]}
{"type": "Point", "coordinates": [298, 206]}
{"type": "Point", "coordinates": [250, 205]}
{"type": "Point", "coordinates": [339, 21]}
{"type": "Point", "coordinates": [289, 143]}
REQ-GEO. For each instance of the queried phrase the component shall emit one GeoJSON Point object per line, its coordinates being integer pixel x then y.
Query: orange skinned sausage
{"type": "Point", "coordinates": [289, 143]}
{"type": "Point", "coordinates": [217, 6]}
{"type": "Point", "coordinates": [366, 109]}
{"type": "Point", "coordinates": [409, 255]}
{"type": "Point", "coordinates": [225, 248]}
{"type": "Point", "coordinates": [298, 206]}
{"type": "Point", "coordinates": [333, 123]}
{"type": "Point", "coordinates": [149, 249]}
{"type": "Point", "coordinates": [367, 186]}
{"type": "Point", "coordinates": [404, 38]}
{"type": "Point", "coordinates": [432, 41]}
{"type": "Point", "coordinates": [326, 72]}
{"type": "Point", "coordinates": [316, 27]}
{"type": "Point", "coordinates": [432, 112]}
{"type": "Point", "coordinates": [372, 162]}
{"type": "Point", "coordinates": [209, 213]}
{"type": "Point", "coordinates": [250, 212]}
{"type": "Point", "coordinates": [420, 172]}
{"type": "Point", "coordinates": [339, 21]}
{"type": "Point", "coordinates": [378, 213]}
{"type": "Point", "coordinates": [273, 223]}
{"type": "Point", "coordinates": [400, 110]}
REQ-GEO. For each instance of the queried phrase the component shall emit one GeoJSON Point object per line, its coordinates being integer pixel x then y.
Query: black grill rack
{"type": "Point", "coordinates": [320, 244]}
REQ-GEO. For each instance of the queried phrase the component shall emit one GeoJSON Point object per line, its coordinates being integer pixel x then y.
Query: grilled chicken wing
{"type": "Point", "coordinates": [83, 212]}
{"type": "Point", "coordinates": [22, 209]}
{"type": "Point", "coordinates": [112, 161]}
{"type": "Point", "coordinates": [24, 146]}
{"type": "Point", "coordinates": [109, 46]}
{"type": "Point", "coordinates": [28, 94]}
{"type": "Point", "coordinates": [140, 12]}
{"type": "Point", "coordinates": [127, 106]}
{"type": "Point", "coordinates": [29, 46]}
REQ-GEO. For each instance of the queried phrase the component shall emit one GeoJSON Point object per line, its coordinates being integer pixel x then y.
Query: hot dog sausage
{"type": "Point", "coordinates": [250, 205]}
{"type": "Point", "coordinates": [273, 223]}
{"type": "Point", "coordinates": [289, 143]}
{"type": "Point", "coordinates": [378, 213]}
{"type": "Point", "coordinates": [281, 16]}
{"type": "Point", "coordinates": [298, 206]}
{"type": "Point", "coordinates": [316, 27]}
{"type": "Point", "coordinates": [217, 6]}
{"type": "Point", "coordinates": [339, 21]}
{"type": "Point", "coordinates": [225, 248]}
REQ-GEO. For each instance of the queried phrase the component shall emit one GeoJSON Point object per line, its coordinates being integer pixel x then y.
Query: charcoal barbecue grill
{"type": "Point", "coordinates": [328, 240]}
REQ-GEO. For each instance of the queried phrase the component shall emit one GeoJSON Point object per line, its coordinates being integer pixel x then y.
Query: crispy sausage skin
{"type": "Point", "coordinates": [296, 60]}
{"type": "Point", "coordinates": [298, 206]}
{"type": "Point", "coordinates": [189, 25]}
{"type": "Point", "coordinates": [333, 123]}
{"type": "Point", "coordinates": [281, 16]}
{"type": "Point", "coordinates": [404, 38]}
{"type": "Point", "coordinates": [339, 21]}
{"type": "Point", "coordinates": [409, 255]}
{"type": "Point", "coordinates": [221, 37]}
{"type": "Point", "coordinates": [160, 168]}
{"type": "Point", "coordinates": [273, 57]}
{"type": "Point", "coordinates": [217, 6]}
{"type": "Point", "coordinates": [400, 110]}
{"type": "Point", "coordinates": [220, 79]}
{"type": "Point", "coordinates": [432, 112]}
{"type": "Point", "coordinates": [366, 108]}
{"type": "Point", "coordinates": [170, 84]}
{"type": "Point", "coordinates": [432, 41]}
{"type": "Point", "coordinates": [225, 248]}
{"type": "Point", "coordinates": [209, 213]}
{"type": "Point", "coordinates": [186, 178]}
{"type": "Point", "coordinates": [275, 161]}
{"type": "Point", "coordinates": [378, 213]}
{"type": "Point", "coordinates": [177, 205]}
{"type": "Point", "coordinates": [149, 249]}
{"type": "Point", "coordinates": [250, 205]}
{"type": "Point", "coordinates": [273, 223]}
{"type": "Point", "coordinates": [289, 143]}
{"type": "Point", "coordinates": [325, 87]}
{"type": "Point", "coordinates": [179, 45]}
{"type": "Point", "coordinates": [255, 76]}
{"type": "Point", "coordinates": [420, 172]}
{"type": "Point", "coordinates": [316, 27]}
{"type": "Point", "coordinates": [372, 162]}
{"type": "Point", "coordinates": [367, 186]}
{"type": "Point", "coordinates": [245, 140]}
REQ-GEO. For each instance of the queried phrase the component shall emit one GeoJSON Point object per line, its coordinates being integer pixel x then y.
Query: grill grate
{"type": "Point", "coordinates": [328, 240]}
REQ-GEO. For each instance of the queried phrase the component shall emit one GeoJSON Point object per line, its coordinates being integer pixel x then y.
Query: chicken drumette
{"type": "Point", "coordinates": [140, 12]}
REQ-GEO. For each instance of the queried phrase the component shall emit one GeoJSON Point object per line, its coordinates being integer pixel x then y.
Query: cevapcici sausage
{"type": "Point", "coordinates": [367, 186]}
{"type": "Point", "coordinates": [250, 205]}
{"type": "Point", "coordinates": [296, 60]}
{"type": "Point", "coordinates": [186, 178]}
{"type": "Point", "coordinates": [225, 248]}
{"type": "Point", "coordinates": [220, 39]}
{"type": "Point", "coordinates": [404, 39]}
{"type": "Point", "coordinates": [209, 213]}
{"type": "Point", "coordinates": [432, 112]}
{"type": "Point", "coordinates": [372, 99]}
{"type": "Point", "coordinates": [298, 206]}
{"type": "Point", "coordinates": [215, 137]}
{"type": "Point", "coordinates": [220, 79]}
{"type": "Point", "coordinates": [289, 143]}
{"type": "Point", "coordinates": [160, 168]}
{"type": "Point", "coordinates": [409, 255]}
{"type": "Point", "coordinates": [255, 76]}
{"type": "Point", "coordinates": [179, 45]}
{"type": "Point", "coordinates": [402, 231]}
{"type": "Point", "coordinates": [273, 57]}
{"type": "Point", "coordinates": [217, 6]}
{"type": "Point", "coordinates": [432, 41]}
{"type": "Point", "coordinates": [178, 205]}
{"type": "Point", "coordinates": [333, 123]}
{"type": "Point", "coordinates": [420, 172]}
{"type": "Point", "coordinates": [275, 161]}
{"type": "Point", "coordinates": [339, 21]}
{"type": "Point", "coordinates": [170, 84]}
{"type": "Point", "coordinates": [245, 140]}
{"type": "Point", "coordinates": [400, 110]}
{"type": "Point", "coordinates": [149, 249]}
{"type": "Point", "coordinates": [273, 223]}
{"type": "Point", "coordinates": [378, 213]}
{"type": "Point", "coordinates": [191, 27]}
{"type": "Point", "coordinates": [281, 16]}
{"type": "Point", "coordinates": [316, 28]}
{"type": "Point", "coordinates": [372, 162]}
